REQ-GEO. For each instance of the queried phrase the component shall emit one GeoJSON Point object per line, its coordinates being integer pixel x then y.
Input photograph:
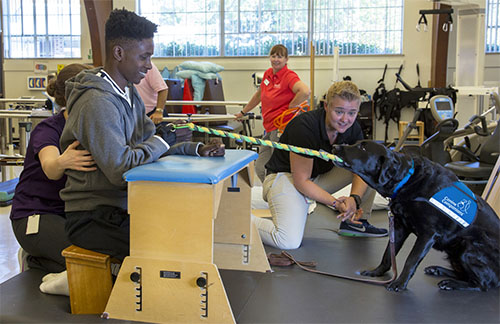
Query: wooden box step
{"type": "Point", "coordinates": [89, 278]}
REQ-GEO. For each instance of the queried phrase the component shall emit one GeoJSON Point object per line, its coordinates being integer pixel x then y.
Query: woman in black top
{"type": "Point", "coordinates": [293, 181]}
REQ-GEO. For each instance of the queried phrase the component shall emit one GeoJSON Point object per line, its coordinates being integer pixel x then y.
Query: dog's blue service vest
{"type": "Point", "coordinates": [457, 202]}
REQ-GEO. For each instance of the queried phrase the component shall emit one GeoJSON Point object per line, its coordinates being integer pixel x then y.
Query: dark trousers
{"type": "Point", "coordinates": [105, 229]}
{"type": "Point", "coordinates": [45, 247]}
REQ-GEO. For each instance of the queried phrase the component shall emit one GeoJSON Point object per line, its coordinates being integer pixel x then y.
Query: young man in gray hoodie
{"type": "Point", "coordinates": [107, 117]}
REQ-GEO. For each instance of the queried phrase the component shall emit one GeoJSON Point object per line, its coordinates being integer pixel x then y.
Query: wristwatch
{"type": "Point", "coordinates": [159, 109]}
{"type": "Point", "coordinates": [357, 199]}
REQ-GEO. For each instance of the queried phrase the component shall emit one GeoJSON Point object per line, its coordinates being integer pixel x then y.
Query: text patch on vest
{"type": "Point", "coordinates": [457, 202]}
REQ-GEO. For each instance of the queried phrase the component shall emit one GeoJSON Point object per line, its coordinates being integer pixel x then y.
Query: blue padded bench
{"type": "Point", "coordinates": [192, 169]}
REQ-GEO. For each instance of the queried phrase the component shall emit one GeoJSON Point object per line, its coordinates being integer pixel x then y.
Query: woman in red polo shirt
{"type": "Point", "coordinates": [280, 90]}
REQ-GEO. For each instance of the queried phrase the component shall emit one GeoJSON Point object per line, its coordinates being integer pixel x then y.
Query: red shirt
{"type": "Point", "coordinates": [276, 94]}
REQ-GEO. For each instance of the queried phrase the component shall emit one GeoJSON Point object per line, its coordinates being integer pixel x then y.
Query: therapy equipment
{"type": "Point", "coordinates": [177, 248]}
{"type": "Point", "coordinates": [441, 107]}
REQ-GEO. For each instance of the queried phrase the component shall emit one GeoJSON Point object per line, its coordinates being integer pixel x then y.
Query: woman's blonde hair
{"type": "Point", "coordinates": [56, 86]}
{"type": "Point", "coordinates": [346, 90]}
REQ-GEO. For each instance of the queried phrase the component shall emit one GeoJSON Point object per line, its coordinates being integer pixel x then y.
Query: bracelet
{"type": "Point", "coordinates": [357, 199]}
{"type": "Point", "coordinates": [242, 112]}
{"type": "Point", "coordinates": [158, 109]}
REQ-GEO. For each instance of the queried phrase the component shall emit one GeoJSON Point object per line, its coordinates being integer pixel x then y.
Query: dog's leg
{"type": "Point", "coordinates": [382, 268]}
{"type": "Point", "coordinates": [475, 270]}
{"type": "Point", "coordinates": [440, 272]}
{"type": "Point", "coordinates": [417, 254]}
{"type": "Point", "coordinates": [400, 236]}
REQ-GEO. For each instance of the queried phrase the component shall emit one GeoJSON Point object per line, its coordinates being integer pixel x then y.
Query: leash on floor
{"type": "Point", "coordinates": [372, 281]}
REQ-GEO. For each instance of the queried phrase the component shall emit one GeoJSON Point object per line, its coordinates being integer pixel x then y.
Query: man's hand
{"type": "Point", "coordinates": [213, 148]}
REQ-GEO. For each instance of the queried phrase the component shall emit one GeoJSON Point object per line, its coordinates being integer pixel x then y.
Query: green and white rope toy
{"type": "Point", "coordinates": [257, 141]}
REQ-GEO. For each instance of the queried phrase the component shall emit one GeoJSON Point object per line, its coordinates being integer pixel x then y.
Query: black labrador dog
{"type": "Point", "coordinates": [417, 187]}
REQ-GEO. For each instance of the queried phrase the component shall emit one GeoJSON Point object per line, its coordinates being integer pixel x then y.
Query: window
{"type": "Point", "coordinates": [41, 28]}
{"type": "Point", "coordinates": [252, 27]}
{"type": "Point", "coordinates": [358, 27]}
{"type": "Point", "coordinates": [493, 26]}
{"type": "Point", "coordinates": [185, 27]}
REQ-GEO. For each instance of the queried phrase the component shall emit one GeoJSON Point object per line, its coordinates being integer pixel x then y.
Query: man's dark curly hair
{"type": "Point", "coordinates": [124, 25]}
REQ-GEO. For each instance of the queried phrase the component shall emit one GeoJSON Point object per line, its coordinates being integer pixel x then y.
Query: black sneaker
{"type": "Point", "coordinates": [364, 229]}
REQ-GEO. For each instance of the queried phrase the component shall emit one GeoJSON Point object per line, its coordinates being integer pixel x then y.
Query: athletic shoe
{"type": "Point", "coordinates": [364, 229]}
{"type": "Point", "coordinates": [22, 257]}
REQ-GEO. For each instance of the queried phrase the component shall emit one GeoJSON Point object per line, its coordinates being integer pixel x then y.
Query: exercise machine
{"type": "Point", "coordinates": [441, 105]}
{"type": "Point", "coordinates": [443, 111]}
{"type": "Point", "coordinates": [476, 166]}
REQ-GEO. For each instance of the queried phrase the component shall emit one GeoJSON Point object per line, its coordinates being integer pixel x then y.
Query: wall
{"type": "Point", "coordinates": [470, 105]}
{"type": "Point", "coordinates": [238, 85]}
{"type": "Point", "coordinates": [491, 62]}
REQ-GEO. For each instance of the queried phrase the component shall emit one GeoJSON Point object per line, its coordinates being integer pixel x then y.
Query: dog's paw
{"type": "Point", "coordinates": [368, 273]}
{"type": "Point", "coordinates": [438, 271]}
{"type": "Point", "coordinates": [377, 272]}
{"type": "Point", "coordinates": [396, 286]}
{"type": "Point", "coordinates": [447, 284]}
{"type": "Point", "coordinates": [432, 271]}
{"type": "Point", "coordinates": [451, 284]}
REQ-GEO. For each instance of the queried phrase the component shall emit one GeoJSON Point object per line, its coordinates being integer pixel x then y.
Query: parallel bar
{"type": "Point", "coordinates": [15, 111]}
{"type": "Point", "coordinates": [201, 117]}
{"type": "Point", "coordinates": [22, 100]}
{"type": "Point", "coordinates": [205, 103]}
{"type": "Point", "coordinates": [12, 115]}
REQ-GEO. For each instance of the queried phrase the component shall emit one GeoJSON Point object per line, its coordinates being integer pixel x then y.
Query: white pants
{"type": "Point", "coordinates": [289, 207]}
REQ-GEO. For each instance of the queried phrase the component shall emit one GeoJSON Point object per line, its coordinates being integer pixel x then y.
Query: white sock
{"type": "Point", "coordinates": [57, 285]}
{"type": "Point", "coordinates": [50, 276]}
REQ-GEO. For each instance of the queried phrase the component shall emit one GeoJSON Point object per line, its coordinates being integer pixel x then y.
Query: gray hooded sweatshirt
{"type": "Point", "coordinates": [119, 137]}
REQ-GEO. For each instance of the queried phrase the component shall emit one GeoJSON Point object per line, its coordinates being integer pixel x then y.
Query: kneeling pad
{"type": "Point", "coordinates": [280, 260]}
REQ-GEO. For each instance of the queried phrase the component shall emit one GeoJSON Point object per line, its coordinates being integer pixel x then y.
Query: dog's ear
{"type": "Point", "coordinates": [389, 167]}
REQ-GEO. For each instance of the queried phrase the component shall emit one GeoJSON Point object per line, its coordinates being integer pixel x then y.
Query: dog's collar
{"type": "Point", "coordinates": [405, 180]}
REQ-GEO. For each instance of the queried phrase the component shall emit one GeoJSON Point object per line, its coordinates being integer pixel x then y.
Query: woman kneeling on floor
{"type": "Point", "coordinates": [37, 213]}
{"type": "Point", "coordinates": [294, 181]}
